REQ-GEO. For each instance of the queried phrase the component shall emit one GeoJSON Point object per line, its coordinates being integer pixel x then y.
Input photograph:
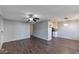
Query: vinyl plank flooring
{"type": "Point", "coordinates": [38, 46]}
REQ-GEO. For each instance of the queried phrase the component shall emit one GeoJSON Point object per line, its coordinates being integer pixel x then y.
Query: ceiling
{"type": "Point", "coordinates": [18, 12]}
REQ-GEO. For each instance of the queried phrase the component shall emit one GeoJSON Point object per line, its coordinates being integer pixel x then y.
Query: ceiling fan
{"type": "Point", "coordinates": [31, 18]}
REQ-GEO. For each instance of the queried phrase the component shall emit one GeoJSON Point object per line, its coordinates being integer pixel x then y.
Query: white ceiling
{"type": "Point", "coordinates": [17, 12]}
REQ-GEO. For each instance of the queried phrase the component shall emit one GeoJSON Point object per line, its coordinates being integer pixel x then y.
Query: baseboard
{"type": "Point", "coordinates": [69, 38]}
{"type": "Point", "coordinates": [17, 40]}
{"type": "Point", "coordinates": [40, 39]}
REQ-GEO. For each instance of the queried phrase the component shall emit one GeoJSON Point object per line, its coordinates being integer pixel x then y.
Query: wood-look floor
{"type": "Point", "coordinates": [39, 46]}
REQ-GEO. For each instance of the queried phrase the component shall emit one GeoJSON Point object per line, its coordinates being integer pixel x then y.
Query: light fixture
{"type": "Point", "coordinates": [65, 17]}
{"type": "Point", "coordinates": [65, 24]}
{"type": "Point", "coordinates": [35, 15]}
{"type": "Point", "coordinates": [32, 18]}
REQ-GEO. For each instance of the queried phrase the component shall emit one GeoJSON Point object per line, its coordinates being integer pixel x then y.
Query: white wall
{"type": "Point", "coordinates": [14, 30]}
{"type": "Point", "coordinates": [31, 29]}
{"type": "Point", "coordinates": [49, 31]}
{"type": "Point", "coordinates": [71, 31]}
{"type": "Point", "coordinates": [1, 32]}
{"type": "Point", "coordinates": [40, 30]}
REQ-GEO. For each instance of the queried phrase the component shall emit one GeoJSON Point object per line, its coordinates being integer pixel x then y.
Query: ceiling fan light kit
{"type": "Point", "coordinates": [31, 18]}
